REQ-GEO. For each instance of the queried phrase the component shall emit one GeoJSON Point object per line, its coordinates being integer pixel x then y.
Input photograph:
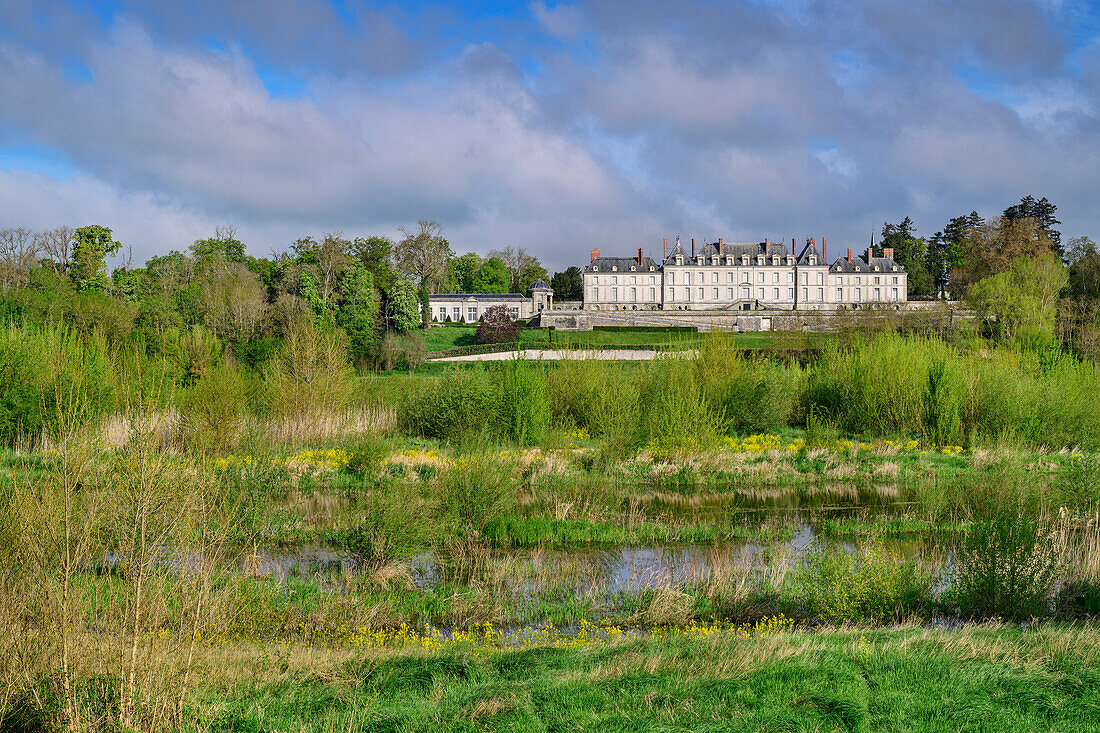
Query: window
{"type": "Point", "coordinates": [805, 294]}
{"type": "Point", "coordinates": [775, 277]}
{"type": "Point", "coordinates": [652, 293]}
{"type": "Point", "coordinates": [595, 279]}
{"type": "Point", "coordinates": [760, 293]}
{"type": "Point", "coordinates": [595, 293]}
{"type": "Point", "coordinates": [729, 293]}
{"type": "Point", "coordinates": [615, 280]}
{"type": "Point", "coordinates": [672, 278]}
{"type": "Point", "coordinates": [714, 294]}
{"type": "Point", "coordinates": [790, 293]}
{"type": "Point", "coordinates": [744, 277]}
{"type": "Point", "coordinates": [876, 280]}
{"type": "Point", "coordinates": [877, 294]}
{"type": "Point", "coordinates": [760, 277]}
{"type": "Point", "coordinates": [442, 314]}
{"type": "Point", "coordinates": [456, 311]}
{"type": "Point", "coordinates": [746, 293]}
{"type": "Point", "coordinates": [895, 294]}
{"type": "Point", "coordinates": [859, 280]}
{"type": "Point", "coordinates": [729, 277]}
{"type": "Point", "coordinates": [651, 280]}
{"type": "Point", "coordinates": [700, 293]}
{"type": "Point", "coordinates": [687, 278]}
{"type": "Point", "coordinates": [471, 314]}
{"type": "Point", "coordinates": [714, 277]}
{"type": "Point", "coordinates": [615, 294]}
{"type": "Point", "coordinates": [515, 313]}
{"type": "Point", "coordinates": [820, 278]}
{"type": "Point", "coordinates": [702, 278]}
{"type": "Point", "coordinates": [895, 280]}
{"type": "Point", "coordinates": [634, 294]}
{"type": "Point", "coordinates": [775, 293]}
{"type": "Point", "coordinates": [859, 294]}
{"type": "Point", "coordinates": [821, 293]}
{"type": "Point", "coordinates": [840, 295]}
{"type": "Point", "coordinates": [804, 278]}
{"type": "Point", "coordinates": [633, 280]}
{"type": "Point", "coordinates": [671, 294]}
{"type": "Point", "coordinates": [687, 293]}
{"type": "Point", "coordinates": [790, 277]}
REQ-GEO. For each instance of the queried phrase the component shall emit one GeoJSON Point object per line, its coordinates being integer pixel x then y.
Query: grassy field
{"type": "Point", "coordinates": [280, 550]}
{"type": "Point", "coordinates": [905, 679]}
{"type": "Point", "coordinates": [439, 338]}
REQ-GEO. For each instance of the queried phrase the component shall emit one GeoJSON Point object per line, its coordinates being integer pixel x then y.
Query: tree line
{"type": "Point", "coordinates": [371, 287]}
{"type": "Point", "coordinates": [1023, 283]}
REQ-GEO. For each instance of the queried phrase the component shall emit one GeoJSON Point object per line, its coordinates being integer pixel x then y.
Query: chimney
{"type": "Point", "coordinates": [813, 244]}
{"type": "Point", "coordinates": [666, 248]}
{"type": "Point", "coordinates": [693, 248]}
{"type": "Point", "coordinates": [639, 257]}
{"type": "Point", "coordinates": [593, 254]}
{"type": "Point", "coordinates": [870, 254]}
{"type": "Point", "coordinates": [719, 243]}
{"type": "Point", "coordinates": [767, 246]}
{"type": "Point", "coordinates": [888, 253]}
{"type": "Point", "coordinates": [849, 254]}
{"type": "Point", "coordinates": [824, 252]}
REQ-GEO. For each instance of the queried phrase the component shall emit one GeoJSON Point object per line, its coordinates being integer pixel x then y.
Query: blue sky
{"type": "Point", "coordinates": [556, 126]}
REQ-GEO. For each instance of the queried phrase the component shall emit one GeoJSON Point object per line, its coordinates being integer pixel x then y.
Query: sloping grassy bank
{"type": "Point", "coordinates": [905, 679]}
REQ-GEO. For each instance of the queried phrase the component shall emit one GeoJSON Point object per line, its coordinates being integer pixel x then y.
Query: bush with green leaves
{"type": "Point", "coordinates": [454, 406]}
{"type": "Point", "coordinates": [390, 527]}
{"type": "Point", "coordinates": [1006, 565]}
{"type": "Point", "coordinates": [868, 586]}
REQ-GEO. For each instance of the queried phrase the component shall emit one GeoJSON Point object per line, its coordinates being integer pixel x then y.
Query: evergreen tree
{"type": "Point", "coordinates": [1043, 212]}
{"type": "Point", "coordinates": [358, 314]}
{"type": "Point", "coordinates": [568, 285]}
{"type": "Point", "coordinates": [402, 304]}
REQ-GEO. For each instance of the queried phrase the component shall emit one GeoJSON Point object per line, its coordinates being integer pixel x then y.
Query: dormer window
{"type": "Point", "coordinates": [895, 268]}
{"type": "Point", "coordinates": [679, 260]}
{"type": "Point", "coordinates": [775, 260]}
{"type": "Point", "coordinates": [614, 268]}
{"type": "Point", "coordinates": [857, 268]}
{"type": "Point", "coordinates": [633, 268]}
{"type": "Point", "coordinates": [760, 260]}
{"type": "Point", "coordinates": [595, 268]}
{"type": "Point", "coordinates": [714, 261]}
{"type": "Point", "coordinates": [876, 268]}
{"type": "Point", "coordinates": [813, 260]}
{"type": "Point", "coordinates": [651, 268]}
{"type": "Point", "coordinates": [744, 260]}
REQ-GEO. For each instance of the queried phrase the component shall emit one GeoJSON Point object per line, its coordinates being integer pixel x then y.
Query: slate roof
{"type": "Point", "coordinates": [804, 256]}
{"type": "Point", "coordinates": [737, 249]}
{"type": "Point", "coordinates": [885, 264]}
{"type": "Point", "coordinates": [479, 296]}
{"type": "Point", "coordinates": [622, 263]}
{"type": "Point", "coordinates": [540, 284]}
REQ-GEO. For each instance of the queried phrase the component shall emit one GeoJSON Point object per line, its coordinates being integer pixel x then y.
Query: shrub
{"type": "Point", "coordinates": [869, 586]}
{"type": "Point", "coordinates": [497, 327]}
{"type": "Point", "coordinates": [311, 376]}
{"type": "Point", "coordinates": [1005, 564]}
{"type": "Point", "coordinates": [523, 415]}
{"type": "Point", "coordinates": [214, 409]}
{"type": "Point", "coordinates": [368, 454]}
{"type": "Point", "coordinates": [452, 406]}
{"type": "Point", "coordinates": [390, 528]}
{"type": "Point", "coordinates": [942, 413]}
{"type": "Point", "coordinates": [477, 487]}
{"type": "Point", "coordinates": [48, 373]}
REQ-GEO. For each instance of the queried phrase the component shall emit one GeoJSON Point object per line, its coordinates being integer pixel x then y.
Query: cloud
{"type": "Point", "coordinates": [594, 124]}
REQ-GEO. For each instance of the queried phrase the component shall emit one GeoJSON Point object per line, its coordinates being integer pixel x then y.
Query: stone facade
{"type": "Point", "coordinates": [742, 276]}
{"type": "Point", "coordinates": [470, 307]}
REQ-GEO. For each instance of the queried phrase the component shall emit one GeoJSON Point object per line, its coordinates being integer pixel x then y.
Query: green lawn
{"type": "Point", "coordinates": [908, 679]}
{"type": "Point", "coordinates": [451, 336]}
